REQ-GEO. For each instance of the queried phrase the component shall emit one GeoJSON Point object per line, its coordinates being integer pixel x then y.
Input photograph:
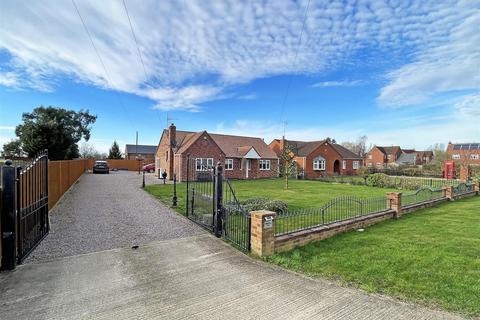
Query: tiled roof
{"type": "Point", "coordinates": [303, 148]}
{"type": "Point", "coordinates": [345, 153]}
{"type": "Point", "coordinates": [407, 158]}
{"type": "Point", "coordinates": [389, 150]}
{"type": "Point", "coordinates": [466, 146]}
{"type": "Point", "coordinates": [235, 146]}
{"type": "Point", "coordinates": [231, 146]}
{"type": "Point", "coordinates": [140, 149]}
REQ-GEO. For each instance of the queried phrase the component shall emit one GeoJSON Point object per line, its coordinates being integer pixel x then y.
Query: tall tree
{"type": "Point", "coordinates": [56, 129]}
{"type": "Point", "coordinates": [12, 149]}
{"type": "Point", "coordinates": [114, 152]}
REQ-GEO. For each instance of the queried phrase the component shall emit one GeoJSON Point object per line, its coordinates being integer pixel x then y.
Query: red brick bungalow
{"type": "Point", "coordinates": [242, 157]}
{"type": "Point", "coordinates": [320, 158]}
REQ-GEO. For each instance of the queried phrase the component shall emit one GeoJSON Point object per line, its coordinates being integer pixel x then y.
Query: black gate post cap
{"type": "Point", "coordinates": [8, 162]}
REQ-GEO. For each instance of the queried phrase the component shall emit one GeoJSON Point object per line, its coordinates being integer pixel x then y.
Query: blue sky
{"type": "Point", "coordinates": [404, 73]}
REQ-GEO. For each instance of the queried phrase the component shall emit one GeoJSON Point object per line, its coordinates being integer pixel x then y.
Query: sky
{"type": "Point", "coordinates": [401, 72]}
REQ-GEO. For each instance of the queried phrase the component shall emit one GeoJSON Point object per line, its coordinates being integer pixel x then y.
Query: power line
{"type": "Point", "coordinates": [138, 47]}
{"type": "Point", "coordinates": [136, 42]}
{"type": "Point", "coordinates": [289, 83]}
{"type": "Point", "coordinates": [107, 76]}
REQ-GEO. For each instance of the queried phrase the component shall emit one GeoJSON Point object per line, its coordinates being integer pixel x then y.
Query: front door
{"type": "Point", "coordinates": [249, 164]}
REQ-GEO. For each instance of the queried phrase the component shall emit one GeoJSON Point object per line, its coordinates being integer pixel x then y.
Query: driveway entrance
{"type": "Point", "coordinates": [107, 211]}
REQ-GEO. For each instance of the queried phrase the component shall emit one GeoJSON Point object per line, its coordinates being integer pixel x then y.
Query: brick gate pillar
{"type": "Point", "coordinates": [395, 202]}
{"type": "Point", "coordinates": [448, 191]}
{"type": "Point", "coordinates": [262, 240]}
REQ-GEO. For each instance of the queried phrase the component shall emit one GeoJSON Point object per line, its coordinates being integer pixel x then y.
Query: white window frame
{"type": "Point", "coordinates": [264, 165]}
{"type": "Point", "coordinates": [319, 164]}
{"type": "Point", "coordinates": [455, 156]}
{"type": "Point", "coordinates": [370, 157]}
{"type": "Point", "coordinates": [344, 164]}
{"type": "Point", "coordinates": [203, 164]}
{"type": "Point", "coordinates": [356, 164]}
{"type": "Point", "coordinates": [474, 156]}
{"type": "Point", "coordinates": [229, 164]}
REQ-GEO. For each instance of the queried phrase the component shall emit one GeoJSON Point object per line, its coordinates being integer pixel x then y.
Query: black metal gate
{"type": "Point", "coordinates": [212, 203]}
{"type": "Point", "coordinates": [24, 210]}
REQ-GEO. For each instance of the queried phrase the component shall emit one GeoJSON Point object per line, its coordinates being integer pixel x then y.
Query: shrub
{"type": "Point", "coordinates": [254, 204]}
{"type": "Point", "coordinates": [377, 180]}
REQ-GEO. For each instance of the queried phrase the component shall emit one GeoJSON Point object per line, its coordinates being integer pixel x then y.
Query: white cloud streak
{"type": "Point", "coordinates": [196, 51]}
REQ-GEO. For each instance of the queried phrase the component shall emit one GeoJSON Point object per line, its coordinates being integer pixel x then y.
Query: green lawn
{"type": "Point", "coordinates": [431, 256]}
{"type": "Point", "coordinates": [301, 193]}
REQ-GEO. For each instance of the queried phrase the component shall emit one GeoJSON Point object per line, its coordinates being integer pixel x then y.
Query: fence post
{"type": "Point", "coordinates": [262, 239]}
{"type": "Point", "coordinates": [174, 199]}
{"type": "Point", "coordinates": [395, 203]}
{"type": "Point", "coordinates": [448, 193]}
{"type": "Point", "coordinates": [8, 217]}
{"type": "Point", "coordinates": [217, 224]}
{"type": "Point", "coordinates": [188, 190]}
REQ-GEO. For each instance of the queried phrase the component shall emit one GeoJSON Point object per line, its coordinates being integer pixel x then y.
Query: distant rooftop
{"type": "Point", "coordinates": [141, 149]}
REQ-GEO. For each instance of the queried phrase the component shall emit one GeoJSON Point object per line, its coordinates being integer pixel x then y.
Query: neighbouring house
{"type": "Point", "coordinates": [319, 158]}
{"type": "Point", "coordinates": [381, 157]}
{"type": "Point", "coordinates": [464, 152]}
{"type": "Point", "coordinates": [242, 157]}
{"type": "Point", "coordinates": [134, 152]}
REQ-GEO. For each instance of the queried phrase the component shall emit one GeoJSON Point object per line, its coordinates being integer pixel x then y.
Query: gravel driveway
{"type": "Point", "coordinates": [107, 211]}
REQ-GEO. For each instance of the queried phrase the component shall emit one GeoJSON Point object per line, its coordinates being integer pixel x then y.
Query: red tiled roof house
{"type": "Point", "coordinates": [382, 157]}
{"type": "Point", "coordinates": [319, 158]}
{"type": "Point", "coordinates": [242, 157]}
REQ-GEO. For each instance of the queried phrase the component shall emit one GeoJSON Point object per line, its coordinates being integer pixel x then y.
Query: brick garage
{"type": "Point", "coordinates": [235, 153]}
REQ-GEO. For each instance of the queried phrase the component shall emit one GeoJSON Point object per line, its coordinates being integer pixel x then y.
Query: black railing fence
{"type": "Point", "coordinates": [424, 194]}
{"type": "Point", "coordinates": [339, 209]}
{"type": "Point", "coordinates": [463, 188]}
{"type": "Point", "coordinates": [236, 220]}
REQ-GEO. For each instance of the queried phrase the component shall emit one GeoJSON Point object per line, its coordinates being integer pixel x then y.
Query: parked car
{"type": "Point", "coordinates": [149, 167]}
{"type": "Point", "coordinates": [101, 166]}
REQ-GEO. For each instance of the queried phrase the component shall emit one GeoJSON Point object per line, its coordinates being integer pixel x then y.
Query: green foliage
{"type": "Point", "coordinates": [114, 152]}
{"type": "Point", "coordinates": [56, 129]}
{"type": "Point", "coordinates": [430, 257]}
{"type": "Point", "coordinates": [12, 149]}
{"type": "Point", "coordinates": [254, 204]}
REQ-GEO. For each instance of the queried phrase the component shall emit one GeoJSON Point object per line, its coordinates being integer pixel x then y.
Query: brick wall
{"type": "Point", "coordinates": [330, 154]}
{"type": "Point", "coordinates": [377, 158]}
{"type": "Point", "coordinates": [295, 239]}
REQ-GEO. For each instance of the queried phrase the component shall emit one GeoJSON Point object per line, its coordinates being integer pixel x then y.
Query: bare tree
{"type": "Point", "coordinates": [88, 151]}
{"type": "Point", "coordinates": [358, 147]}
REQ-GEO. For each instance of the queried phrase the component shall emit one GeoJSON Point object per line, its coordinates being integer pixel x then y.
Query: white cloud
{"type": "Point", "coordinates": [250, 96]}
{"type": "Point", "coordinates": [7, 128]}
{"type": "Point", "coordinates": [196, 51]}
{"type": "Point", "coordinates": [345, 83]}
{"type": "Point", "coordinates": [469, 106]}
{"type": "Point", "coordinates": [452, 64]}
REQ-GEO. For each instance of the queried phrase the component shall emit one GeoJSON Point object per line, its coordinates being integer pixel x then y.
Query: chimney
{"type": "Point", "coordinates": [172, 132]}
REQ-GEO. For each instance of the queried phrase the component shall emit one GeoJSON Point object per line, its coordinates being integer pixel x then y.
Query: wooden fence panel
{"type": "Point", "coordinates": [61, 176]}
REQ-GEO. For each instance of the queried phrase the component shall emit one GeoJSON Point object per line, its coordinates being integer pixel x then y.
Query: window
{"type": "Point", "coordinates": [204, 164]}
{"type": "Point", "coordinates": [264, 164]}
{"type": "Point", "coordinates": [344, 165]}
{"type": "Point", "coordinates": [356, 164]}
{"type": "Point", "coordinates": [166, 156]}
{"type": "Point", "coordinates": [389, 156]}
{"type": "Point", "coordinates": [456, 156]}
{"type": "Point", "coordinates": [229, 164]}
{"type": "Point", "coordinates": [475, 156]}
{"type": "Point", "coordinates": [370, 156]}
{"type": "Point", "coordinates": [319, 163]}
{"type": "Point", "coordinates": [369, 164]}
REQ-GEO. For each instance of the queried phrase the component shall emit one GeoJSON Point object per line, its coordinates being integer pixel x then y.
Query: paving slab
{"type": "Point", "coordinates": [198, 277]}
